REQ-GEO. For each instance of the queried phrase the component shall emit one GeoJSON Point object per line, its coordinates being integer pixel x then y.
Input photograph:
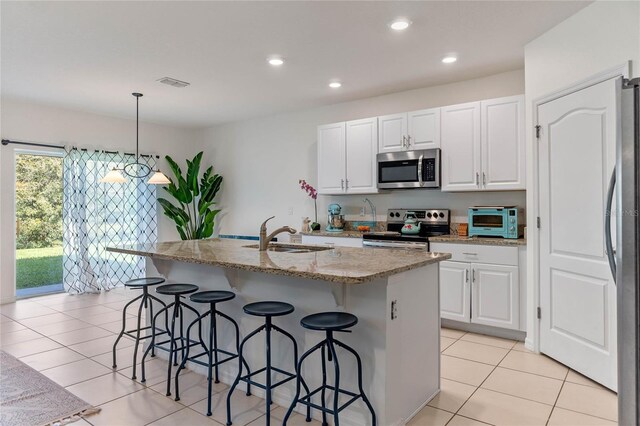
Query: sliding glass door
{"type": "Point", "coordinates": [38, 204]}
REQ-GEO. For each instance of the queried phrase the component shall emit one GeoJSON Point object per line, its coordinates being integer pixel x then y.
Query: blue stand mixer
{"type": "Point", "coordinates": [335, 218]}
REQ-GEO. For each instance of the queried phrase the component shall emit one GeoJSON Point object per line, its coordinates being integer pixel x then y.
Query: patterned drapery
{"type": "Point", "coordinates": [98, 215]}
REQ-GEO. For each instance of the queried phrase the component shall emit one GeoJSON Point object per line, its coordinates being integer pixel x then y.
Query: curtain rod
{"type": "Point", "coordinates": [44, 145]}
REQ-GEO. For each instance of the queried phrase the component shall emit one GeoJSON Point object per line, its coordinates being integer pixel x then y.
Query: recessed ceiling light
{"type": "Point", "coordinates": [276, 61]}
{"type": "Point", "coordinates": [335, 84]}
{"type": "Point", "coordinates": [449, 59]}
{"type": "Point", "coordinates": [400, 24]}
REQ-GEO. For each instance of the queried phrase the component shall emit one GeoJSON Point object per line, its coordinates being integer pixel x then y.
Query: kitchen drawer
{"type": "Point", "coordinates": [478, 253]}
{"type": "Point", "coordinates": [337, 241]}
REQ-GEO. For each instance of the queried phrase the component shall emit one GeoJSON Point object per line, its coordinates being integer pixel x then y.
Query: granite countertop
{"type": "Point", "coordinates": [345, 265]}
{"type": "Point", "coordinates": [343, 234]}
{"type": "Point", "coordinates": [487, 241]}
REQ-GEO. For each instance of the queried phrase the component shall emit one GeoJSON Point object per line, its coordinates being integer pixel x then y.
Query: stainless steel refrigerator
{"type": "Point", "coordinates": [624, 258]}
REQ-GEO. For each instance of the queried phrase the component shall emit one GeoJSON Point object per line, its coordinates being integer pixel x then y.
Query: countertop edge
{"type": "Point", "coordinates": [289, 272]}
{"type": "Point", "coordinates": [520, 242]}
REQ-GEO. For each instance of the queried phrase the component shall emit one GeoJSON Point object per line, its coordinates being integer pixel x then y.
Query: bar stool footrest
{"type": "Point", "coordinates": [247, 378]}
{"type": "Point", "coordinates": [306, 400]}
{"type": "Point", "coordinates": [195, 359]}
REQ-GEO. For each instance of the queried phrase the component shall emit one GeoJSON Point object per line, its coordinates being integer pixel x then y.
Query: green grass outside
{"type": "Point", "coordinates": [38, 267]}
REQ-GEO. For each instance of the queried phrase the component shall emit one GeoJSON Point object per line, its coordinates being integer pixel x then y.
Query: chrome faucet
{"type": "Point", "coordinates": [266, 239]}
{"type": "Point", "coordinates": [373, 208]}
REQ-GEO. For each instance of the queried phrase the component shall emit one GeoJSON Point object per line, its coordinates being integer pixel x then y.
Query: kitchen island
{"type": "Point", "coordinates": [393, 292]}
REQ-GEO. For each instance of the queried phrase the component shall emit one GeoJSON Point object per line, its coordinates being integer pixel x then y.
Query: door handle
{"type": "Point", "coordinates": [404, 141]}
{"type": "Point", "coordinates": [477, 179]}
{"type": "Point", "coordinates": [346, 185]}
{"type": "Point", "coordinates": [420, 170]}
{"type": "Point", "coordinates": [473, 275]}
{"type": "Point", "coordinates": [409, 141]}
{"type": "Point", "coordinates": [342, 184]}
{"type": "Point", "coordinates": [484, 179]}
{"type": "Point", "coordinates": [611, 253]}
{"type": "Point", "coordinates": [466, 275]}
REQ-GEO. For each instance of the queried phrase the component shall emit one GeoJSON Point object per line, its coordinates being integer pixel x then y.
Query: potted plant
{"type": "Point", "coordinates": [193, 215]}
{"type": "Point", "coordinates": [311, 192]}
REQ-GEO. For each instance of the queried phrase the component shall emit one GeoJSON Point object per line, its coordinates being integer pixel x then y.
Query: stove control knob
{"type": "Point", "coordinates": [397, 214]}
{"type": "Point", "coordinates": [441, 215]}
{"type": "Point", "coordinates": [429, 215]}
{"type": "Point", "coordinates": [391, 214]}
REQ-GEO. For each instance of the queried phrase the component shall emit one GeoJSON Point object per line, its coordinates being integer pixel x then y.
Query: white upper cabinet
{"type": "Point", "coordinates": [409, 130]}
{"type": "Point", "coordinates": [392, 133]}
{"type": "Point", "coordinates": [347, 157]}
{"type": "Point", "coordinates": [503, 145]}
{"type": "Point", "coordinates": [424, 129]}
{"type": "Point", "coordinates": [331, 158]}
{"type": "Point", "coordinates": [483, 146]}
{"type": "Point", "coordinates": [362, 148]}
{"type": "Point", "coordinates": [460, 143]}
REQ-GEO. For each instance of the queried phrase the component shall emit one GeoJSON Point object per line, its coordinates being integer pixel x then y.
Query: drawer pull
{"type": "Point", "coordinates": [470, 254]}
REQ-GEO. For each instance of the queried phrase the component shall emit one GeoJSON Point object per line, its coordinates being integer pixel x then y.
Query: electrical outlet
{"type": "Point", "coordinates": [362, 211]}
{"type": "Point", "coordinates": [290, 211]}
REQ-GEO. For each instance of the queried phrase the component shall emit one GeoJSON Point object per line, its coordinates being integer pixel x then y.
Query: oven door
{"type": "Point", "coordinates": [488, 223]}
{"type": "Point", "coordinates": [410, 169]}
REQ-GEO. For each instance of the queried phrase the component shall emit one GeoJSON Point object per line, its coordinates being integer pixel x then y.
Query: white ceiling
{"type": "Point", "coordinates": [91, 55]}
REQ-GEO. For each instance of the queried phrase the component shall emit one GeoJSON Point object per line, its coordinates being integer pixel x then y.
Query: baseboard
{"type": "Point", "coordinates": [528, 343]}
{"type": "Point", "coordinates": [403, 422]}
{"type": "Point", "coordinates": [7, 300]}
{"type": "Point", "coordinates": [485, 329]}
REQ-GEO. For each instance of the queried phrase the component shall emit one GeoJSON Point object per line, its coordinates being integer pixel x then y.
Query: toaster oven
{"type": "Point", "coordinates": [504, 222]}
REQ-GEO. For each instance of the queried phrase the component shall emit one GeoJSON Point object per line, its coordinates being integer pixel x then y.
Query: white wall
{"type": "Point", "coordinates": [262, 159]}
{"type": "Point", "coordinates": [601, 36]}
{"type": "Point", "coordinates": [24, 121]}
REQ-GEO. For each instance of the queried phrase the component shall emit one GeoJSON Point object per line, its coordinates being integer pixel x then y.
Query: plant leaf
{"type": "Point", "coordinates": [192, 174]}
{"type": "Point", "coordinates": [175, 168]}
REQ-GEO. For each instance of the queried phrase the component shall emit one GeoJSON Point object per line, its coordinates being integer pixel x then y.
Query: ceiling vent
{"type": "Point", "coordinates": [173, 82]}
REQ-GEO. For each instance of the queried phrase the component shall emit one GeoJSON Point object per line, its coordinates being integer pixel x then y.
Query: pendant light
{"type": "Point", "coordinates": [136, 169]}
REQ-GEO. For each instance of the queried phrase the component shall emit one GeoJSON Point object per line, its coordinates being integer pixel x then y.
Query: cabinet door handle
{"type": "Point", "coordinates": [484, 179]}
{"type": "Point", "coordinates": [477, 179]}
{"type": "Point", "coordinates": [404, 141]}
{"type": "Point", "coordinates": [346, 185]}
{"type": "Point", "coordinates": [466, 275]}
{"type": "Point", "coordinates": [409, 141]}
{"type": "Point", "coordinates": [342, 184]}
{"type": "Point", "coordinates": [473, 275]}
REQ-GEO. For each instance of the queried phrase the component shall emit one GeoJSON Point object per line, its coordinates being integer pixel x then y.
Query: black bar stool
{"type": "Point", "coordinates": [268, 310]}
{"type": "Point", "coordinates": [147, 300]}
{"type": "Point", "coordinates": [212, 351]}
{"type": "Point", "coordinates": [176, 343]}
{"type": "Point", "coordinates": [329, 322]}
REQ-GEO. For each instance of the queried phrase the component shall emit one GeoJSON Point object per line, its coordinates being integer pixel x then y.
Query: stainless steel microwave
{"type": "Point", "coordinates": [409, 169]}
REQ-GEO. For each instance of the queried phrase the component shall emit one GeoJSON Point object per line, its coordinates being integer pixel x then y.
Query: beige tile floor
{"type": "Point", "coordinates": [485, 380]}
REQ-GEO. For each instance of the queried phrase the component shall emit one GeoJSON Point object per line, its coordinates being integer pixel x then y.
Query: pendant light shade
{"type": "Point", "coordinates": [136, 169]}
{"type": "Point", "coordinates": [158, 178]}
{"type": "Point", "coordinates": [114, 176]}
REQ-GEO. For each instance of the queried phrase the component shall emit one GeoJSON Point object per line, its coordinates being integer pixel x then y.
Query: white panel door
{"type": "Point", "coordinates": [495, 295]}
{"type": "Point", "coordinates": [331, 158]}
{"type": "Point", "coordinates": [577, 294]}
{"type": "Point", "coordinates": [454, 290]}
{"type": "Point", "coordinates": [424, 129]}
{"type": "Point", "coordinates": [362, 147]}
{"type": "Point", "coordinates": [460, 143]}
{"type": "Point", "coordinates": [392, 134]}
{"type": "Point", "coordinates": [503, 147]}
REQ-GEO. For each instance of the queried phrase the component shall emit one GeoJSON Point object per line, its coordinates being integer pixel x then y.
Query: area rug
{"type": "Point", "coordinates": [28, 398]}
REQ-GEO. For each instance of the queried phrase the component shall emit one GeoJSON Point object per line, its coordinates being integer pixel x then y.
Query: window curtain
{"type": "Point", "coordinates": [99, 215]}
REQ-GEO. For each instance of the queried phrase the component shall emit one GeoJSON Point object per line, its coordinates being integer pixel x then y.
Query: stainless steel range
{"type": "Point", "coordinates": [432, 222]}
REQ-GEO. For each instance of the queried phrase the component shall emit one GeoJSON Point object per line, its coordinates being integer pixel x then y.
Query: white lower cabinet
{"type": "Point", "coordinates": [476, 292]}
{"type": "Point", "coordinates": [495, 295]}
{"type": "Point", "coordinates": [454, 291]}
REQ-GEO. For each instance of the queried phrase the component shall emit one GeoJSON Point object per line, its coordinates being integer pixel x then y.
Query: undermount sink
{"type": "Point", "coordinates": [286, 248]}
